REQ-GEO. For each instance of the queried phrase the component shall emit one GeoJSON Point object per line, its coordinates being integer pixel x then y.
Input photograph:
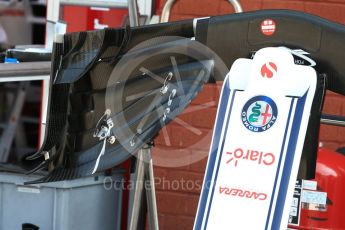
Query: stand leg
{"type": "Point", "coordinates": [144, 179]}
{"type": "Point", "coordinates": [133, 13]}
{"type": "Point", "coordinates": [151, 193]}
{"type": "Point", "coordinates": [136, 195]}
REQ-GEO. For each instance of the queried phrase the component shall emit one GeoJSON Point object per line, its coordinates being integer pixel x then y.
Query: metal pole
{"type": "Point", "coordinates": [334, 122]}
{"type": "Point", "coordinates": [136, 195]}
{"type": "Point", "coordinates": [151, 193]}
{"type": "Point", "coordinates": [166, 10]}
{"type": "Point", "coordinates": [133, 13]}
{"type": "Point", "coordinates": [237, 6]}
{"type": "Point", "coordinates": [169, 4]}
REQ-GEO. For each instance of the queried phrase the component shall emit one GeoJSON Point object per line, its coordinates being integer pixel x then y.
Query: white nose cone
{"type": "Point", "coordinates": [272, 69]}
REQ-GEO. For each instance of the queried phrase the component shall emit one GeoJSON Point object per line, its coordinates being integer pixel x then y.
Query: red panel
{"type": "Point", "coordinates": [79, 18]}
{"type": "Point", "coordinates": [330, 176]}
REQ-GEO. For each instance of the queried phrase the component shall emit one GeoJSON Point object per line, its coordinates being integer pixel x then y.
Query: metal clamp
{"type": "Point", "coordinates": [103, 128]}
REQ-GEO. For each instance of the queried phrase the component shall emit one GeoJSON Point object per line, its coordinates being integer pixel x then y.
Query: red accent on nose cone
{"type": "Point", "coordinates": [268, 70]}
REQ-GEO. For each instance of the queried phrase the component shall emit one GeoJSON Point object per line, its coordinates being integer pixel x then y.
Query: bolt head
{"type": "Point", "coordinates": [111, 140]}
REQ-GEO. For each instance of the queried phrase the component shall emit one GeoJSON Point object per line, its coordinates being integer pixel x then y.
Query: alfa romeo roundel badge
{"type": "Point", "coordinates": [259, 114]}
